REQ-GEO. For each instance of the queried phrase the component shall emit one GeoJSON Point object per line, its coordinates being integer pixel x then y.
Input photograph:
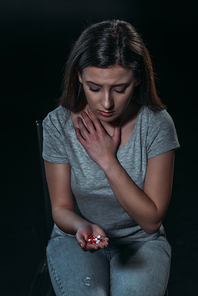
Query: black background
{"type": "Point", "coordinates": [35, 39]}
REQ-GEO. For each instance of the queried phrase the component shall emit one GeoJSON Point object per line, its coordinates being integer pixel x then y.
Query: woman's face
{"type": "Point", "coordinates": [108, 91]}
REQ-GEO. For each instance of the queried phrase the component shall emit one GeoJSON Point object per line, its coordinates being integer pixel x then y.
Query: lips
{"type": "Point", "coordinates": [106, 114]}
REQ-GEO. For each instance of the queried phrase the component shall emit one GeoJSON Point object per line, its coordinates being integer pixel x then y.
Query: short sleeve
{"type": "Point", "coordinates": [54, 146]}
{"type": "Point", "coordinates": [162, 135]}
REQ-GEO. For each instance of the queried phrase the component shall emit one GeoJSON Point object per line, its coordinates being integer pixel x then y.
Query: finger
{"type": "Point", "coordinates": [81, 241]}
{"type": "Point", "coordinates": [79, 136]}
{"type": "Point", "coordinates": [88, 247]}
{"type": "Point", "coordinates": [91, 247]}
{"type": "Point", "coordinates": [97, 246]}
{"type": "Point", "coordinates": [83, 129]}
{"type": "Point", "coordinates": [83, 244]}
{"type": "Point", "coordinates": [106, 241]}
{"type": "Point", "coordinates": [94, 119]}
{"type": "Point", "coordinates": [88, 122]}
{"type": "Point", "coordinates": [117, 134]}
{"type": "Point", "coordinates": [101, 244]}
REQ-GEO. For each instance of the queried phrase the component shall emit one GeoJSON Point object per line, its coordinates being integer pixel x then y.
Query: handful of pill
{"type": "Point", "coordinates": [94, 239]}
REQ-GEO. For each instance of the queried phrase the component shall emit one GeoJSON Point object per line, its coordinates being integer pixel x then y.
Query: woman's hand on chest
{"type": "Point", "coordinates": [100, 146]}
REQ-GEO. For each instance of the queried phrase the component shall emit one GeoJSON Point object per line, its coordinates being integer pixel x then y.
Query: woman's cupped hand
{"type": "Point", "coordinates": [85, 231]}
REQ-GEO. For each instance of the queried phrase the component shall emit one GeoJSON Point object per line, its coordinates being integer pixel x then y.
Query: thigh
{"type": "Point", "coordinates": [74, 272]}
{"type": "Point", "coordinates": [141, 269]}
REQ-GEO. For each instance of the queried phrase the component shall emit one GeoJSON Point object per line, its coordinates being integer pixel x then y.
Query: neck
{"type": "Point", "coordinates": [124, 119]}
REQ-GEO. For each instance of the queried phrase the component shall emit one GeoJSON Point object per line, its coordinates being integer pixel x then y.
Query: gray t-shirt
{"type": "Point", "coordinates": [154, 134]}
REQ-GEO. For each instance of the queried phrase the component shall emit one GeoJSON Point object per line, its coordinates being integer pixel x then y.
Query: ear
{"type": "Point", "coordinates": [138, 81]}
{"type": "Point", "coordinates": [79, 75]}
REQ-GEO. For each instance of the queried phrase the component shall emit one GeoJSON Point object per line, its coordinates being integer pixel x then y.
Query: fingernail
{"type": "Point", "coordinates": [88, 109]}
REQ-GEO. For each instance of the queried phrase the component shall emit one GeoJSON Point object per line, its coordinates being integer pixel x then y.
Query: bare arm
{"type": "Point", "coordinates": [148, 206]}
{"type": "Point", "coordinates": [63, 209]}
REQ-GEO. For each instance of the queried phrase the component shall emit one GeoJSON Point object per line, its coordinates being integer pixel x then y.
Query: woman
{"type": "Point", "coordinates": [109, 158]}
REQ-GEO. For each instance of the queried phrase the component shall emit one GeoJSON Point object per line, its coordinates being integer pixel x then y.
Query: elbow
{"type": "Point", "coordinates": [152, 228]}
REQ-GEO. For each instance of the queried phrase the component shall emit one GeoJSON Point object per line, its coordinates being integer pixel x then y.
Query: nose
{"type": "Point", "coordinates": [107, 101]}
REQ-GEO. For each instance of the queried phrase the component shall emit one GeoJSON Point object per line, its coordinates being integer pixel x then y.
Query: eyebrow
{"type": "Point", "coordinates": [121, 84]}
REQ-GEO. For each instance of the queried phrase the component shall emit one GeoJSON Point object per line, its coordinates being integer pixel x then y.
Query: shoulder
{"type": "Point", "coordinates": [153, 115]}
{"type": "Point", "coordinates": [55, 134]}
{"type": "Point", "coordinates": [159, 131]}
{"type": "Point", "coordinates": [58, 118]}
{"type": "Point", "coordinates": [60, 114]}
{"type": "Point", "coordinates": [155, 119]}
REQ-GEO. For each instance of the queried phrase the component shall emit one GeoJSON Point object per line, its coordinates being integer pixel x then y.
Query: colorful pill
{"type": "Point", "coordinates": [94, 240]}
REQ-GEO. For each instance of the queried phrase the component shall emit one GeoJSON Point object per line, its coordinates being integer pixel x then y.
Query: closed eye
{"type": "Point", "coordinates": [94, 90]}
{"type": "Point", "coordinates": [120, 91]}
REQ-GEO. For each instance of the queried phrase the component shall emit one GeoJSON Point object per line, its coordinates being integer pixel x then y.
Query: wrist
{"type": "Point", "coordinates": [107, 164]}
{"type": "Point", "coordinates": [82, 224]}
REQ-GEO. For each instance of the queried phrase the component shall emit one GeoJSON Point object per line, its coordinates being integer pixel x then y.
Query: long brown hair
{"type": "Point", "coordinates": [105, 44]}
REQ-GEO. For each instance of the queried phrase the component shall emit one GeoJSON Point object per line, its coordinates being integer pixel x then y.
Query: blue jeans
{"type": "Point", "coordinates": [132, 269]}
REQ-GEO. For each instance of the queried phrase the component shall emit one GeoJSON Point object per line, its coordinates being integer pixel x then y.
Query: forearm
{"type": "Point", "coordinates": [133, 200]}
{"type": "Point", "coordinates": [67, 220]}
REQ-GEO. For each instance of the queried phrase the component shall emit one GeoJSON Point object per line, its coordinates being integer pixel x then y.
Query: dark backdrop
{"type": "Point", "coordinates": [35, 40]}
